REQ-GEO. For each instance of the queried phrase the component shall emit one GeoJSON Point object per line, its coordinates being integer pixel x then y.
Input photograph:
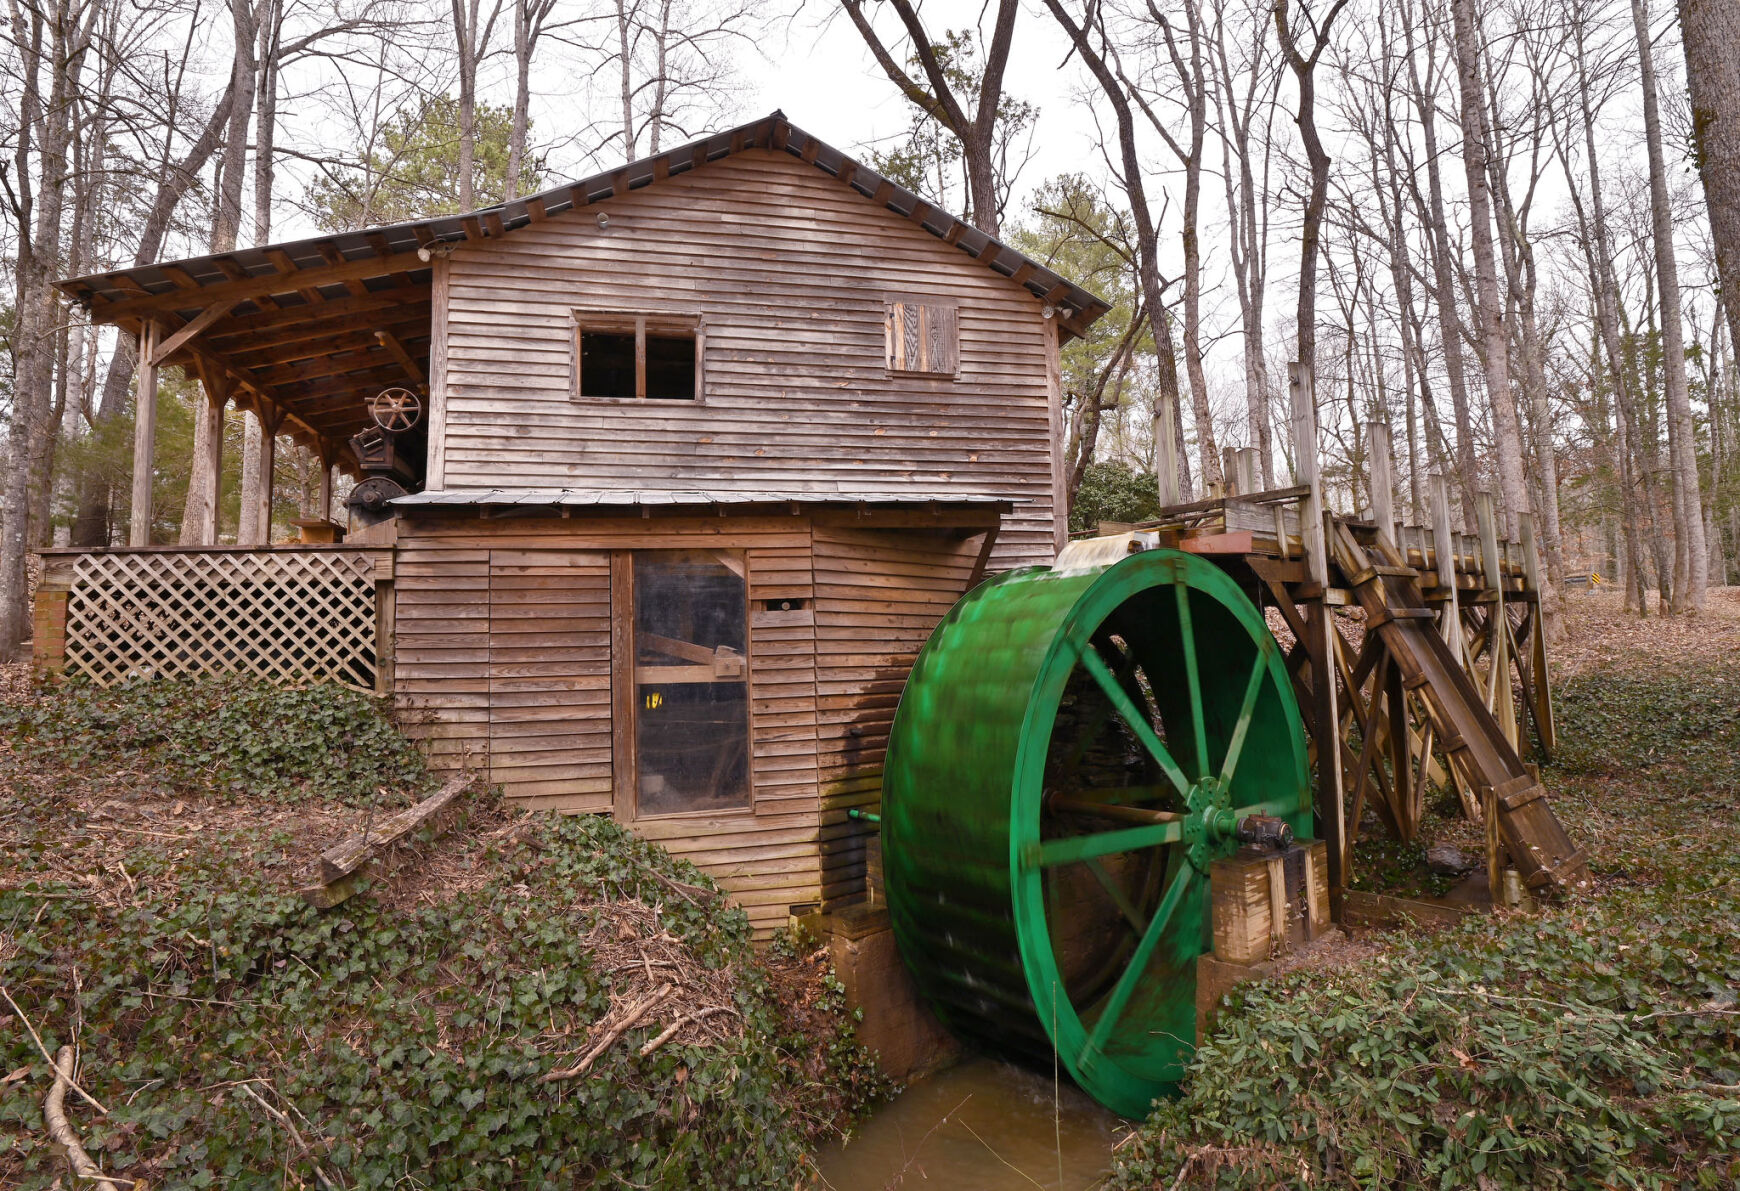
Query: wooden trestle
{"type": "Point", "coordinates": [1432, 640]}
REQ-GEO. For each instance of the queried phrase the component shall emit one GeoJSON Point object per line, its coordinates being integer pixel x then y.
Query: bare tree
{"type": "Point", "coordinates": [1302, 59]}
{"type": "Point", "coordinates": [1489, 306]}
{"type": "Point", "coordinates": [1691, 556]}
{"type": "Point", "coordinates": [974, 126]}
{"type": "Point", "coordinates": [530, 17]}
{"type": "Point", "coordinates": [1245, 102]}
{"type": "Point", "coordinates": [473, 27]}
{"type": "Point", "coordinates": [1432, 212]}
{"type": "Point", "coordinates": [51, 41]}
{"type": "Point", "coordinates": [1091, 43]}
{"type": "Point", "coordinates": [1190, 82]}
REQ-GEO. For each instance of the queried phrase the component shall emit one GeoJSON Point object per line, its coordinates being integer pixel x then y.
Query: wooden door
{"type": "Point", "coordinates": [549, 676]}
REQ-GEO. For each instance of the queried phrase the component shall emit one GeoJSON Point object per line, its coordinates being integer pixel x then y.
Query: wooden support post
{"type": "Point", "coordinates": [1245, 465]}
{"type": "Point", "coordinates": [206, 478]}
{"type": "Point", "coordinates": [1166, 452]}
{"type": "Point", "coordinates": [1331, 825]}
{"type": "Point", "coordinates": [323, 502]}
{"type": "Point", "coordinates": [1233, 484]}
{"type": "Point", "coordinates": [1444, 546]}
{"type": "Point", "coordinates": [1383, 491]}
{"type": "Point", "coordinates": [271, 418]}
{"type": "Point", "coordinates": [1498, 688]}
{"type": "Point", "coordinates": [1540, 676]}
{"type": "Point", "coordinates": [217, 399]}
{"type": "Point", "coordinates": [144, 436]}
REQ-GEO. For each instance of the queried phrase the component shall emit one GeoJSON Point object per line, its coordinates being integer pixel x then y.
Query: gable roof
{"type": "Point", "coordinates": [322, 266]}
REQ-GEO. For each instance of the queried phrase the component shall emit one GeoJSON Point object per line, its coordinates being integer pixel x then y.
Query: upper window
{"type": "Point", "coordinates": [922, 338]}
{"type": "Point", "coordinates": [644, 357]}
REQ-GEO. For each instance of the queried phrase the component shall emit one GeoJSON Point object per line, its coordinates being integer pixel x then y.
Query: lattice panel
{"type": "Point", "coordinates": [288, 616]}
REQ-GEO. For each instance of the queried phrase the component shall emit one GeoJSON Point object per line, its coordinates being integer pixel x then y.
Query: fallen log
{"type": "Point", "coordinates": [61, 1130]}
{"type": "Point", "coordinates": [341, 865]}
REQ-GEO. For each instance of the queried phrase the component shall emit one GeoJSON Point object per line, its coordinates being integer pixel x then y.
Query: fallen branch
{"type": "Point", "coordinates": [61, 1130]}
{"type": "Point", "coordinates": [341, 864]}
{"type": "Point", "coordinates": [37, 1038]}
{"type": "Point", "coordinates": [670, 1031]}
{"type": "Point", "coordinates": [295, 1134]}
{"type": "Point", "coordinates": [629, 1020]}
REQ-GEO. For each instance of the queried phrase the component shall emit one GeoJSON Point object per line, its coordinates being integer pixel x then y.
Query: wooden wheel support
{"type": "Point", "coordinates": [1418, 659]}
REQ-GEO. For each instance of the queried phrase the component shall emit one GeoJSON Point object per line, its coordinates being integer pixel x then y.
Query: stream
{"type": "Point", "coordinates": [979, 1125]}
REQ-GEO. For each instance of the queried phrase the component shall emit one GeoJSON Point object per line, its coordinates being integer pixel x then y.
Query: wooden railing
{"type": "Point", "coordinates": [291, 615]}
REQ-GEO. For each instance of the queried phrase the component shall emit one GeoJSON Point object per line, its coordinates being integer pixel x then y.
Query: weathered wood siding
{"type": "Point", "coordinates": [879, 593]}
{"type": "Point", "coordinates": [549, 676]}
{"type": "Point", "coordinates": [504, 663]}
{"type": "Point", "coordinates": [503, 643]}
{"type": "Point", "coordinates": [790, 272]}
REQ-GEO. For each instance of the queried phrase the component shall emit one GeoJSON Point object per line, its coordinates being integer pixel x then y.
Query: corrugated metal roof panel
{"type": "Point", "coordinates": [500, 497]}
{"type": "Point", "coordinates": [1078, 306]}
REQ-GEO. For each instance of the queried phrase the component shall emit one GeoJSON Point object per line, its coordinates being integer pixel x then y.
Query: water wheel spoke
{"type": "Point", "coordinates": [1116, 893]}
{"type": "Point", "coordinates": [1187, 634]}
{"type": "Point", "coordinates": [1247, 709]}
{"type": "Point", "coordinates": [1137, 967]}
{"type": "Point", "coordinates": [1110, 801]}
{"type": "Point", "coordinates": [1074, 849]}
{"type": "Point", "coordinates": [1133, 718]}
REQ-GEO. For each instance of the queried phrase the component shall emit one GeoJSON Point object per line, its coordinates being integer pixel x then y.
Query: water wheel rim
{"type": "Point", "coordinates": [1126, 1079]}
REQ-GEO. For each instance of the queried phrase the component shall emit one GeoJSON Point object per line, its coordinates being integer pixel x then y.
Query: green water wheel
{"type": "Point", "coordinates": [1072, 751]}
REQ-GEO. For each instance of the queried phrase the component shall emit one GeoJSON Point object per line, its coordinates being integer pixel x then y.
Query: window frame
{"type": "Point", "coordinates": [641, 325]}
{"type": "Point", "coordinates": [625, 690]}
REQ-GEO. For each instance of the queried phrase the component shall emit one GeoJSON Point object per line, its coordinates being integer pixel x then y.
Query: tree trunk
{"type": "Point", "coordinates": [1710, 31]}
{"type": "Point", "coordinates": [244, 80]}
{"type": "Point", "coordinates": [522, 97]}
{"type": "Point", "coordinates": [1691, 568]}
{"type": "Point", "coordinates": [1247, 247]}
{"type": "Point", "coordinates": [1317, 158]}
{"type": "Point", "coordinates": [45, 125]}
{"type": "Point", "coordinates": [1432, 214]}
{"type": "Point", "coordinates": [1147, 243]}
{"type": "Point", "coordinates": [266, 119]}
{"type": "Point", "coordinates": [1489, 307]}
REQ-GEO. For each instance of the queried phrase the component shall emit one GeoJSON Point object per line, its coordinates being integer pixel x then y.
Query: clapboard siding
{"type": "Point", "coordinates": [879, 593]}
{"type": "Point", "coordinates": [790, 273]}
{"type": "Point", "coordinates": [503, 654]}
{"type": "Point", "coordinates": [549, 677]}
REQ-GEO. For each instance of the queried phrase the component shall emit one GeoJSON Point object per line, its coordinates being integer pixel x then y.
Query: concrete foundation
{"type": "Point", "coordinates": [906, 1037]}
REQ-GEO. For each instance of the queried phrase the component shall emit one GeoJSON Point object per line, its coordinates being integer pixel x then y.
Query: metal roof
{"type": "Point", "coordinates": [634, 498]}
{"type": "Point", "coordinates": [128, 287]}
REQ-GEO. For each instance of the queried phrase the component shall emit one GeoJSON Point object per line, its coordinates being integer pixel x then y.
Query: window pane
{"type": "Point", "coordinates": [691, 681]}
{"type": "Point", "coordinates": [670, 367]}
{"type": "Point", "coordinates": [606, 363]}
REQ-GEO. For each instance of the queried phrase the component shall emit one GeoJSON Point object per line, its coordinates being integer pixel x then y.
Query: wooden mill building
{"type": "Point", "coordinates": [708, 445]}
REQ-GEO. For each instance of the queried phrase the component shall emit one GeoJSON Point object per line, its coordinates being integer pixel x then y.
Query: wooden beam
{"type": "Point", "coordinates": [200, 322]}
{"type": "Point", "coordinates": [265, 355]}
{"type": "Point", "coordinates": [316, 319]}
{"type": "Point", "coordinates": [391, 342]}
{"type": "Point", "coordinates": [257, 287]}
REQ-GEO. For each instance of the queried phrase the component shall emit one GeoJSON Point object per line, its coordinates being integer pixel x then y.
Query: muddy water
{"type": "Point", "coordinates": [979, 1126]}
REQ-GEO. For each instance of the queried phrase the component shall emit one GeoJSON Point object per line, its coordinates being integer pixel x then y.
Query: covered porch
{"type": "Point", "coordinates": [300, 336]}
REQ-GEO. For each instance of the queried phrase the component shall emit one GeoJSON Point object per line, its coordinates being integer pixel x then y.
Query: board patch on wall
{"type": "Point", "coordinates": [922, 337]}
